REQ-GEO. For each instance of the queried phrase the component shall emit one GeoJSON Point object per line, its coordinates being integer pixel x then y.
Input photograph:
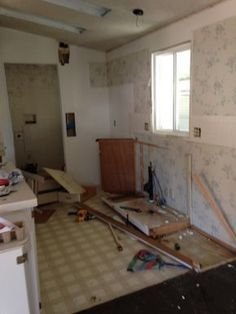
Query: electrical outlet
{"type": "Point", "coordinates": [197, 132]}
{"type": "Point", "coordinates": [146, 126]}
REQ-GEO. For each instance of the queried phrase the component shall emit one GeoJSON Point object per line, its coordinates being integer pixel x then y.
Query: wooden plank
{"type": "Point", "coordinates": [155, 244]}
{"type": "Point", "coordinates": [209, 198]}
{"type": "Point", "coordinates": [141, 166]}
{"type": "Point", "coordinates": [169, 228]}
{"type": "Point", "coordinates": [220, 242]}
{"type": "Point", "coordinates": [150, 144]}
{"type": "Point", "coordinates": [124, 197]}
{"type": "Point", "coordinates": [66, 181]}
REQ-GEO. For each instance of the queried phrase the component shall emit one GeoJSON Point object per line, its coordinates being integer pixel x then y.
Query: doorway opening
{"type": "Point", "coordinates": [34, 101]}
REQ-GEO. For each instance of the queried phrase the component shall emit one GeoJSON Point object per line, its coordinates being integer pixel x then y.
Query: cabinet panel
{"type": "Point", "coordinates": [117, 160]}
{"type": "Point", "coordinates": [13, 289]}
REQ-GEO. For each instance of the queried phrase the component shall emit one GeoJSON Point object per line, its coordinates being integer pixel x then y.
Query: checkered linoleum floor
{"type": "Point", "coordinates": [80, 267]}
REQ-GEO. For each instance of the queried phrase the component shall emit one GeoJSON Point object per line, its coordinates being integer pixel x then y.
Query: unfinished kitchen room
{"type": "Point", "coordinates": [117, 157]}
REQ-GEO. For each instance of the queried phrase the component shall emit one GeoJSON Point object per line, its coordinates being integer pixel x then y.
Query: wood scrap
{"type": "Point", "coordinates": [211, 201]}
{"type": "Point", "coordinates": [117, 241]}
{"type": "Point", "coordinates": [169, 228]}
{"type": "Point", "coordinates": [155, 244]}
{"type": "Point", "coordinates": [66, 181]}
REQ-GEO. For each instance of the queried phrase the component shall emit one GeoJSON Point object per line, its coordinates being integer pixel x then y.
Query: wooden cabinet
{"type": "Point", "coordinates": [117, 161]}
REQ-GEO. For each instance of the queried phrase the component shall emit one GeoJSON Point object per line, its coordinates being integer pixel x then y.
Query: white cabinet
{"type": "Point", "coordinates": [14, 298]}
{"type": "Point", "coordinates": [19, 284]}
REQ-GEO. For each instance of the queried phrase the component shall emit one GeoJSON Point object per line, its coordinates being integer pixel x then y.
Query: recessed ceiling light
{"type": "Point", "coordinates": [81, 6]}
{"type": "Point", "coordinates": [41, 20]}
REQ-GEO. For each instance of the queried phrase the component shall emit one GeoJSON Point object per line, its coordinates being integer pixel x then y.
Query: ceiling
{"type": "Point", "coordinates": [103, 33]}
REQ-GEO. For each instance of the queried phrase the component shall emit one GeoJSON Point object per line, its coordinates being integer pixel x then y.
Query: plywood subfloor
{"type": "Point", "coordinates": [199, 248]}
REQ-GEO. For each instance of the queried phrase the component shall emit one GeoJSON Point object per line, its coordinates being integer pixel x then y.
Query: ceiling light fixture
{"type": "Point", "coordinates": [81, 6]}
{"type": "Point", "coordinates": [139, 16]}
{"type": "Point", "coordinates": [41, 21]}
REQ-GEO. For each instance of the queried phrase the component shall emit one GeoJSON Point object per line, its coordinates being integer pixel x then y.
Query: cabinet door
{"type": "Point", "coordinates": [13, 288]}
{"type": "Point", "coordinates": [117, 160]}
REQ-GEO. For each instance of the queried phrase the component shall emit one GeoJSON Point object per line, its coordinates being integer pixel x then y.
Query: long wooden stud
{"type": "Point", "coordinates": [209, 198]}
{"type": "Point", "coordinates": [155, 244]}
{"type": "Point", "coordinates": [151, 144]}
{"type": "Point", "coordinates": [141, 166]}
{"type": "Point", "coordinates": [189, 186]}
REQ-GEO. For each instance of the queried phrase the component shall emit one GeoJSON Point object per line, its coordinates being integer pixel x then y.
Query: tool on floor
{"type": "Point", "coordinates": [83, 215]}
{"type": "Point", "coordinates": [117, 241]}
{"type": "Point", "coordinates": [145, 260]}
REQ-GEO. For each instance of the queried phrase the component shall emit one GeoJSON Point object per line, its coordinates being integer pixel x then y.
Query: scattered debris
{"type": "Point", "coordinates": [230, 265]}
{"type": "Point", "coordinates": [178, 307]}
{"type": "Point", "coordinates": [166, 221]}
{"type": "Point", "coordinates": [177, 246]}
{"type": "Point", "coordinates": [183, 297]}
{"type": "Point", "coordinates": [154, 244]}
{"type": "Point", "coordinates": [180, 237]}
{"type": "Point", "coordinates": [197, 285]}
{"type": "Point", "coordinates": [190, 232]}
{"type": "Point", "coordinates": [83, 215]}
{"type": "Point", "coordinates": [93, 298]}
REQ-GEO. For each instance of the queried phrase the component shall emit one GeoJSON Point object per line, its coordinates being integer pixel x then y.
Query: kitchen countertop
{"type": "Point", "coordinates": [20, 198]}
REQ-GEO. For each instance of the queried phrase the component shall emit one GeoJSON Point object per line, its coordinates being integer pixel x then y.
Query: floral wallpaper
{"type": "Point", "coordinates": [214, 69]}
{"type": "Point", "coordinates": [98, 74]}
{"type": "Point", "coordinates": [134, 68]}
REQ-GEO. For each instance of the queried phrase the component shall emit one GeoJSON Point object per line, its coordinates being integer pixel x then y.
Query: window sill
{"type": "Point", "coordinates": [171, 133]}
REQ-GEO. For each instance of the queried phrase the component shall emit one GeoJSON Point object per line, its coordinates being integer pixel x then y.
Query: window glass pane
{"type": "Point", "coordinates": [182, 90]}
{"type": "Point", "coordinates": [164, 91]}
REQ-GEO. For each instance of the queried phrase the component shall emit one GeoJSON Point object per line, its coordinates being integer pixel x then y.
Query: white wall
{"type": "Point", "coordinates": [89, 104]}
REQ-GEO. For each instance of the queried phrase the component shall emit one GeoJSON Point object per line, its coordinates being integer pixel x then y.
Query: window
{"type": "Point", "coordinates": [171, 89]}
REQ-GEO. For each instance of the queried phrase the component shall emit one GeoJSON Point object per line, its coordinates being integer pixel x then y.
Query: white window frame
{"type": "Point", "coordinates": [174, 131]}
